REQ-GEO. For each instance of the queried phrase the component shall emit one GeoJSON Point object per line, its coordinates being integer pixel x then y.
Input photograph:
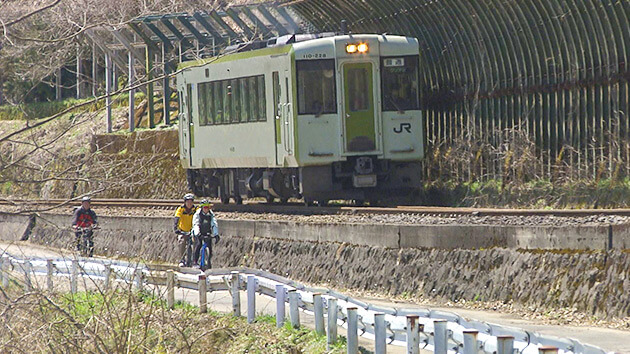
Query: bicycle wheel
{"type": "Point", "coordinates": [85, 245]}
{"type": "Point", "coordinates": [205, 257]}
{"type": "Point", "coordinates": [189, 251]}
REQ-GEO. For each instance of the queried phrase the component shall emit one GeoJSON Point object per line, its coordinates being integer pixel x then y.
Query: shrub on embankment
{"type": "Point", "coordinates": [127, 322]}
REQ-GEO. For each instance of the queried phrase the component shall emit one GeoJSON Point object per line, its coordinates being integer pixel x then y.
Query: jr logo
{"type": "Point", "coordinates": [403, 126]}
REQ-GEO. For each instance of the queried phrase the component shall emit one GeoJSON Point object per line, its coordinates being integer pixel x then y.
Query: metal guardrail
{"type": "Point", "coordinates": [437, 331]}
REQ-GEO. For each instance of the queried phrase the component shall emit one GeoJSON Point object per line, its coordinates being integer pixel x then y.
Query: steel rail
{"type": "Point", "coordinates": [300, 209]}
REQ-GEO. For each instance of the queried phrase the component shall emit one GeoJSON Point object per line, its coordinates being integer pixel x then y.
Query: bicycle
{"type": "Point", "coordinates": [85, 244]}
{"type": "Point", "coordinates": [205, 259]}
{"type": "Point", "coordinates": [189, 248]}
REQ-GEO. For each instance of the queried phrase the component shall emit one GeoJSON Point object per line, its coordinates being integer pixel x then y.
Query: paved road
{"type": "Point", "coordinates": [608, 339]}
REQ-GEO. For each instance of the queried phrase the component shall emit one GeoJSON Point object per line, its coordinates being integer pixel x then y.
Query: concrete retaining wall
{"type": "Point", "coordinates": [392, 259]}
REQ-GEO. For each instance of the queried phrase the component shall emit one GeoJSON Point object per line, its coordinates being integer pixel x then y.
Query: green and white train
{"type": "Point", "coordinates": [319, 117]}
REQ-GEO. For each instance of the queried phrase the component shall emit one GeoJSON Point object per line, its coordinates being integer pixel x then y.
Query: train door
{"type": "Point", "coordinates": [359, 123]}
{"type": "Point", "coordinates": [185, 119]}
{"type": "Point", "coordinates": [277, 109]}
{"type": "Point", "coordinates": [284, 121]}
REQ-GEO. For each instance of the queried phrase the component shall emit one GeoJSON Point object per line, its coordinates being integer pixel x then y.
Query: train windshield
{"type": "Point", "coordinates": [400, 83]}
{"type": "Point", "coordinates": [316, 87]}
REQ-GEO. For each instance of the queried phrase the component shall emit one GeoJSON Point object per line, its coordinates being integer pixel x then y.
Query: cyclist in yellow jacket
{"type": "Point", "coordinates": [183, 225]}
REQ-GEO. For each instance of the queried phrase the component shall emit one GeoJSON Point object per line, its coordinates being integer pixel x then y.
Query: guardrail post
{"type": "Point", "coordinates": [380, 343]}
{"type": "Point", "coordinates": [413, 335]}
{"type": "Point", "coordinates": [49, 274]}
{"type": "Point", "coordinates": [331, 335]}
{"type": "Point", "coordinates": [2, 275]}
{"type": "Point", "coordinates": [280, 305]}
{"type": "Point", "coordinates": [203, 292]}
{"type": "Point", "coordinates": [4, 268]}
{"type": "Point", "coordinates": [294, 312]}
{"type": "Point", "coordinates": [74, 275]}
{"type": "Point", "coordinates": [318, 311]}
{"type": "Point", "coordinates": [547, 350]}
{"type": "Point", "coordinates": [108, 274]}
{"type": "Point", "coordinates": [251, 298]}
{"type": "Point", "coordinates": [170, 289]}
{"type": "Point", "coordinates": [353, 339]}
{"type": "Point", "coordinates": [236, 296]}
{"type": "Point", "coordinates": [440, 336]}
{"type": "Point", "coordinates": [470, 342]}
{"type": "Point", "coordinates": [138, 279]}
{"type": "Point", "coordinates": [505, 344]}
{"type": "Point", "coordinates": [27, 275]}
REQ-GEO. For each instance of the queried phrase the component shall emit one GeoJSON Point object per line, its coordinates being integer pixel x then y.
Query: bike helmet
{"type": "Point", "coordinates": [86, 199]}
{"type": "Point", "coordinates": [189, 196]}
{"type": "Point", "coordinates": [204, 203]}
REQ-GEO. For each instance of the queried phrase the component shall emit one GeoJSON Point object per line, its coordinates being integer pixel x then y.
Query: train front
{"type": "Point", "coordinates": [359, 128]}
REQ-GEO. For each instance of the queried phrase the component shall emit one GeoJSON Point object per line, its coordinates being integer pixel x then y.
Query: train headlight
{"type": "Point", "coordinates": [362, 48]}
{"type": "Point", "coordinates": [351, 48]}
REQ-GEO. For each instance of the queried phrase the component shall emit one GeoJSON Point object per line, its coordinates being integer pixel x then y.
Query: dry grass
{"type": "Point", "coordinates": [124, 321]}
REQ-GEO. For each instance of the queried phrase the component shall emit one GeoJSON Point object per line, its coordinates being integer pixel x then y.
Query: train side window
{"type": "Point", "coordinates": [252, 94]}
{"type": "Point", "coordinates": [316, 86]}
{"type": "Point", "coordinates": [217, 98]}
{"type": "Point", "coordinates": [201, 95]}
{"type": "Point", "coordinates": [399, 83]}
{"type": "Point", "coordinates": [189, 102]}
{"type": "Point", "coordinates": [262, 100]}
{"type": "Point", "coordinates": [235, 101]}
{"type": "Point", "coordinates": [179, 100]}
{"type": "Point", "coordinates": [275, 78]}
{"type": "Point", "coordinates": [245, 99]}
{"type": "Point", "coordinates": [209, 103]}
{"type": "Point", "coordinates": [227, 101]}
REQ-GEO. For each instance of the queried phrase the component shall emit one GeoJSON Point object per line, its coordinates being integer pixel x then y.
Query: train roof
{"type": "Point", "coordinates": [303, 42]}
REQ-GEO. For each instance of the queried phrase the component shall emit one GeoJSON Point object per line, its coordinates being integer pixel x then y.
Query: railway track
{"type": "Point", "coordinates": [297, 208]}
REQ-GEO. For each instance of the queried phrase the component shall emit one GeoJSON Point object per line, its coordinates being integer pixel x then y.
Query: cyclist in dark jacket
{"type": "Point", "coordinates": [84, 218]}
{"type": "Point", "coordinates": [205, 227]}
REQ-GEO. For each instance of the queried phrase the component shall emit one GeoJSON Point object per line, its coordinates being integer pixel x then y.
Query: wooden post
{"type": "Point", "coordinates": [170, 289]}
{"type": "Point", "coordinates": [280, 302]}
{"type": "Point", "coordinates": [203, 292]}
{"type": "Point", "coordinates": [547, 350]}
